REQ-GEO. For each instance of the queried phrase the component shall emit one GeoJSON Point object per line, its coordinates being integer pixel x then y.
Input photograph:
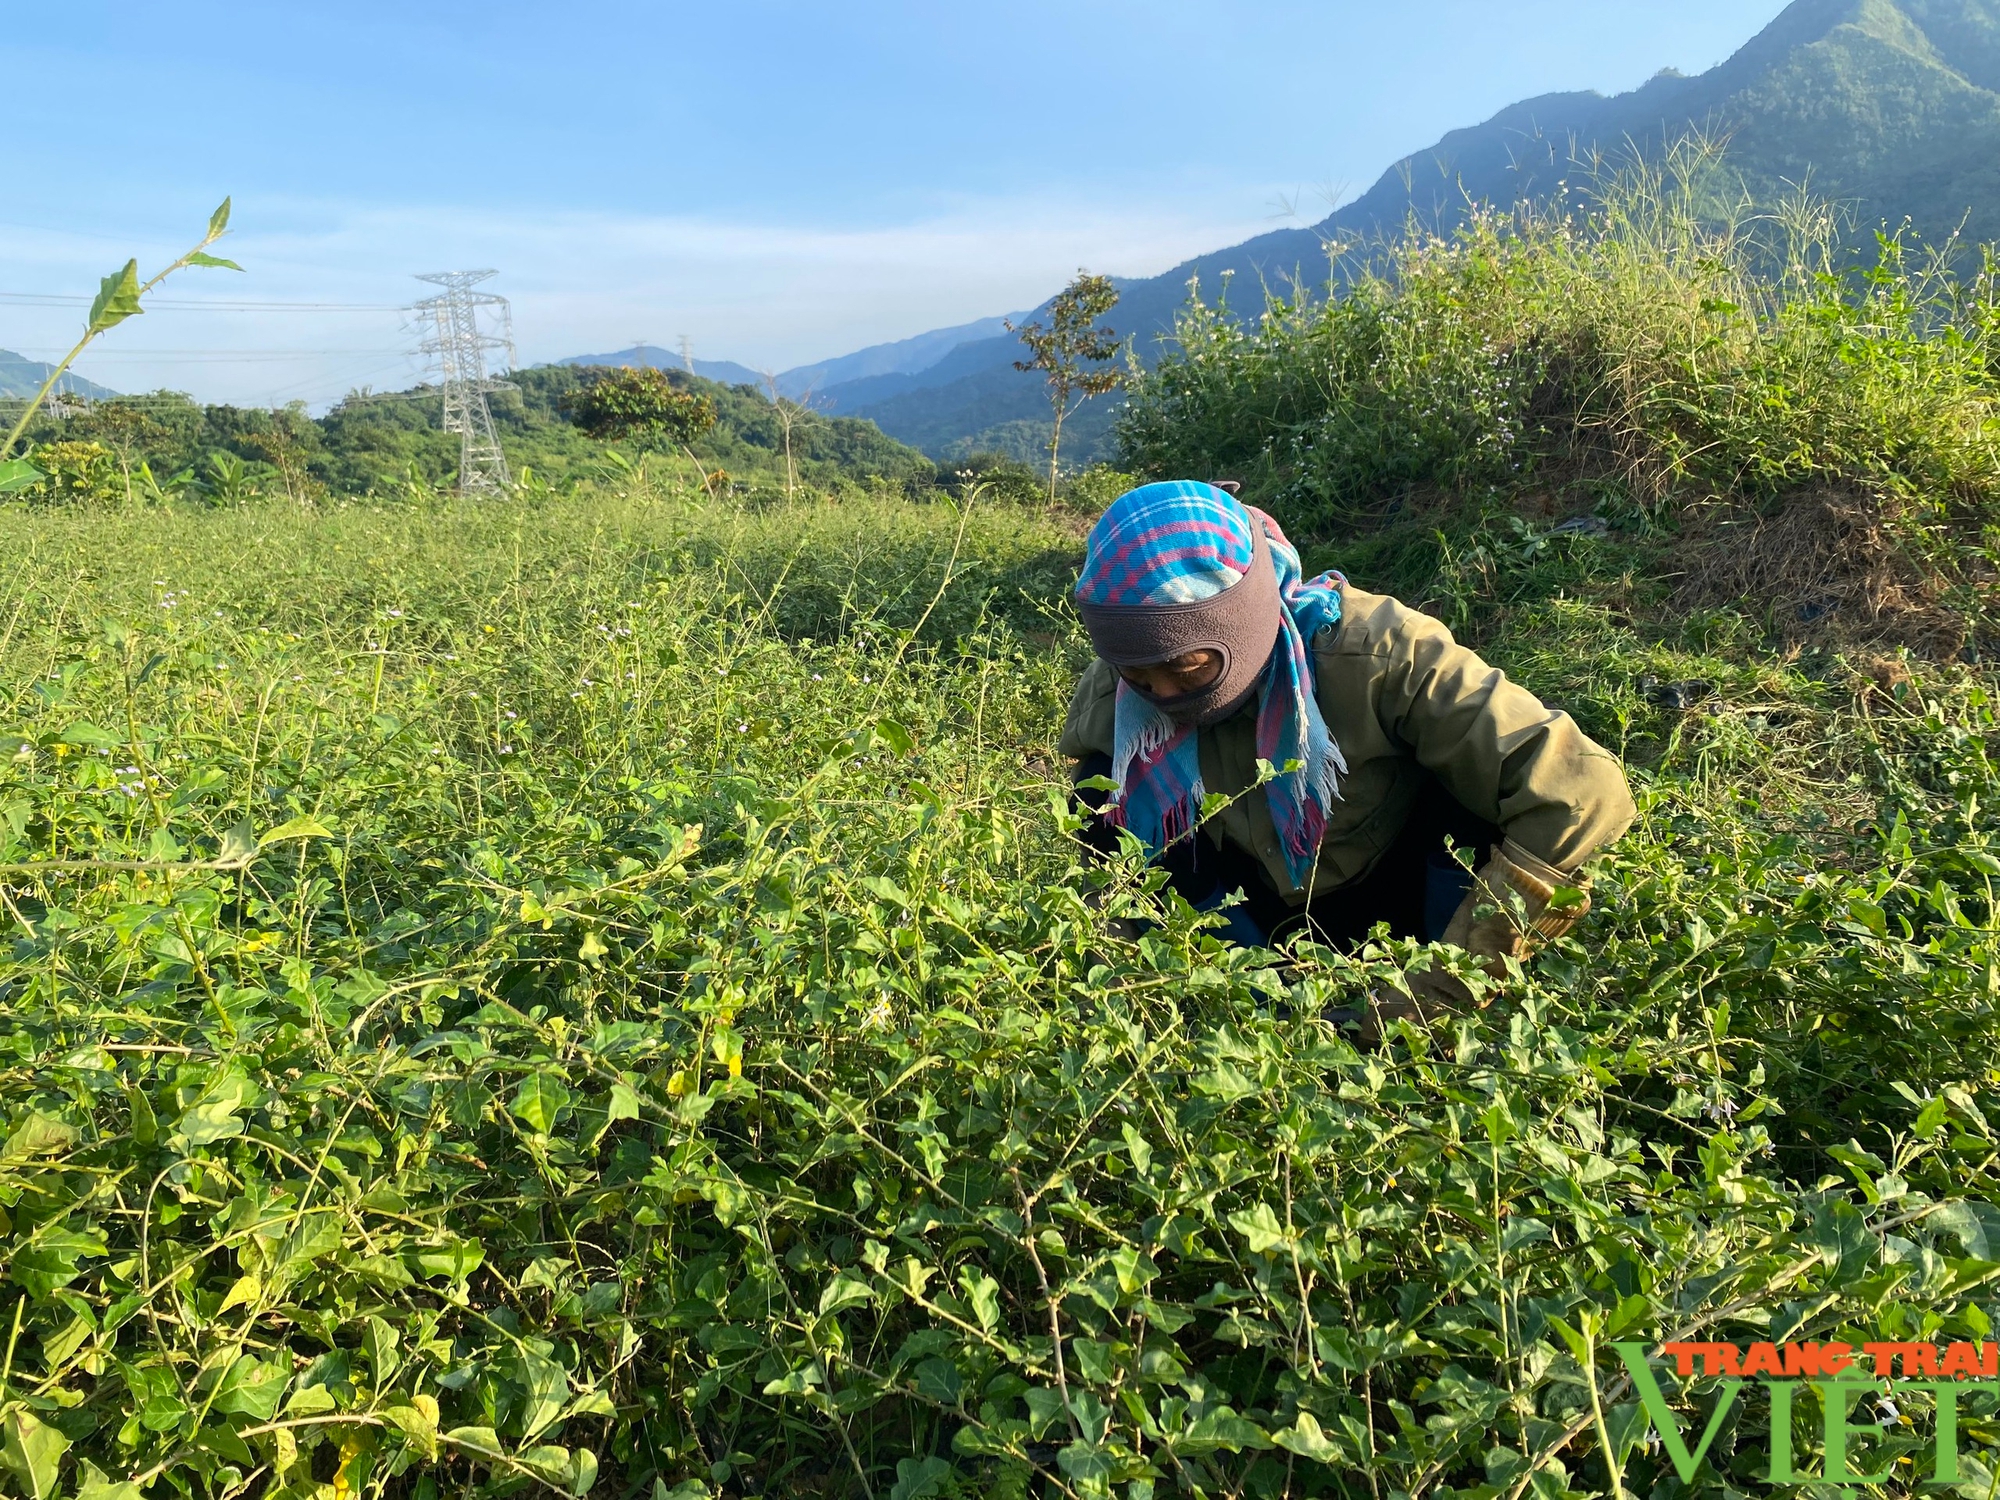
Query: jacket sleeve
{"type": "Point", "coordinates": [1497, 748]}
{"type": "Point", "coordinates": [1087, 730]}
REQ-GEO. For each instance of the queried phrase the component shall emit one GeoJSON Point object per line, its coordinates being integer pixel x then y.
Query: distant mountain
{"type": "Point", "coordinates": [904, 358]}
{"type": "Point", "coordinates": [23, 377]}
{"type": "Point", "coordinates": [1892, 106]}
{"type": "Point", "coordinates": [726, 371]}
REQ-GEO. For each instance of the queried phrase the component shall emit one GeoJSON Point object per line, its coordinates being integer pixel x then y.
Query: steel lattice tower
{"type": "Point", "coordinates": [459, 348]}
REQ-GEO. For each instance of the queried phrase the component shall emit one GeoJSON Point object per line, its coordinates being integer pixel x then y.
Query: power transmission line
{"type": "Point", "coordinates": [459, 349]}
{"type": "Point", "coordinates": [226, 355]}
{"type": "Point", "coordinates": [200, 304]}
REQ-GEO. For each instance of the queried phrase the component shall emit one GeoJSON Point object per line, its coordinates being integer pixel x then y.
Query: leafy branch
{"type": "Point", "coordinates": [119, 296]}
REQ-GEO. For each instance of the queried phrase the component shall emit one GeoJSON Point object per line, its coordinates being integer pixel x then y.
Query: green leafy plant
{"type": "Point", "coordinates": [522, 1017]}
{"type": "Point", "coordinates": [119, 297]}
{"type": "Point", "coordinates": [643, 405]}
{"type": "Point", "coordinates": [74, 471]}
{"type": "Point", "coordinates": [229, 480]}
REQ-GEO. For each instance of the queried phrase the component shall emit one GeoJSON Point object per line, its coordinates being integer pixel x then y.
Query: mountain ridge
{"type": "Point", "coordinates": [1890, 107]}
{"type": "Point", "coordinates": [21, 377]}
{"type": "Point", "coordinates": [896, 360]}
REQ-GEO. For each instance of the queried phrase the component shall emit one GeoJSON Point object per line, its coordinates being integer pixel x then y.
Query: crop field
{"type": "Point", "coordinates": [597, 996]}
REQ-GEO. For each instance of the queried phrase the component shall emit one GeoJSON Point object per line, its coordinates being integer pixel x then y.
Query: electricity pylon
{"type": "Point", "coordinates": [459, 349]}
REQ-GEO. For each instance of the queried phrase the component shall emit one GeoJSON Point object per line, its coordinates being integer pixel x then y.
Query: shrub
{"type": "Point", "coordinates": [1633, 333]}
{"type": "Point", "coordinates": [75, 471]}
{"type": "Point", "coordinates": [1091, 491]}
{"type": "Point", "coordinates": [1005, 479]}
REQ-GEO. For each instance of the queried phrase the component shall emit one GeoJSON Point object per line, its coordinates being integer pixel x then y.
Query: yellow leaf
{"type": "Point", "coordinates": [243, 1294]}
{"type": "Point", "coordinates": [297, 828]}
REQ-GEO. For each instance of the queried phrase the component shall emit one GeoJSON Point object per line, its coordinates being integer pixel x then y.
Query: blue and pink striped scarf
{"type": "Point", "coordinates": [1182, 541]}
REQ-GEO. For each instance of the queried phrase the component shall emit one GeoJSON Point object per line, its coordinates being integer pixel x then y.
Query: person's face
{"type": "Point", "coordinates": [1184, 674]}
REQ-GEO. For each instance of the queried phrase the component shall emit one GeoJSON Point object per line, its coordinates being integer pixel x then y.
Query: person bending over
{"type": "Point", "coordinates": [1392, 745]}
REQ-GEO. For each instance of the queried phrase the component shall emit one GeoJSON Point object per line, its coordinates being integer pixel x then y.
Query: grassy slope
{"type": "Point", "coordinates": [665, 1034]}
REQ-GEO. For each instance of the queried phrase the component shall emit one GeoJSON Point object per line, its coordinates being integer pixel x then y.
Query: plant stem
{"type": "Point", "coordinates": [1597, 1412]}
{"type": "Point", "coordinates": [28, 412]}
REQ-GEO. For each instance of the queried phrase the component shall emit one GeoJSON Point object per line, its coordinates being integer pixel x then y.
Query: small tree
{"type": "Point", "coordinates": [641, 405]}
{"type": "Point", "coordinates": [286, 442]}
{"type": "Point", "coordinates": [789, 413]}
{"type": "Point", "coordinates": [124, 428]}
{"type": "Point", "coordinates": [1068, 347]}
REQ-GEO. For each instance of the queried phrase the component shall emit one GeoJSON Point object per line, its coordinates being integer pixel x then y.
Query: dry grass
{"type": "Point", "coordinates": [1825, 566]}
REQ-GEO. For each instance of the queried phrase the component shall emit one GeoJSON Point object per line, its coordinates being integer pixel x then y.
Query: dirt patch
{"type": "Point", "coordinates": [1826, 567]}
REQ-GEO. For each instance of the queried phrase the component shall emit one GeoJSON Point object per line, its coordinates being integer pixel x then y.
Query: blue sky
{"type": "Point", "coordinates": [780, 181]}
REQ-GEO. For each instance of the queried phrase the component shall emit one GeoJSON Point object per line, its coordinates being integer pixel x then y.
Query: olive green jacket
{"type": "Point", "coordinates": [1400, 696]}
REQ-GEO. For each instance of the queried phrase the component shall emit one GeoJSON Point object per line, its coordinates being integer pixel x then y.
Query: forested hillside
{"type": "Point", "coordinates": [169, 444]}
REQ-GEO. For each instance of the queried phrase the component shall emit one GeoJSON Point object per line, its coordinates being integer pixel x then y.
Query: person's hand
{"type": "Point", "coordinates": [1517, 902]}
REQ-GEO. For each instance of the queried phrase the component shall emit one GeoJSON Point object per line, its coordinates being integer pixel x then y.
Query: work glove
{"type": "Point", "coordinates": [1508, 913]}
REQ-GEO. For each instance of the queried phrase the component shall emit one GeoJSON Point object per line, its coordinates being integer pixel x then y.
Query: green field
{"type": "Point", "coordinates": [598, 992]}
{"type": "Point", "coordinates": [593, 992]}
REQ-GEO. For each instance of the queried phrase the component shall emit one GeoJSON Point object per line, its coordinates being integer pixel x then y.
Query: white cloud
{"type": "Point", "coordinates": [764, 294]}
